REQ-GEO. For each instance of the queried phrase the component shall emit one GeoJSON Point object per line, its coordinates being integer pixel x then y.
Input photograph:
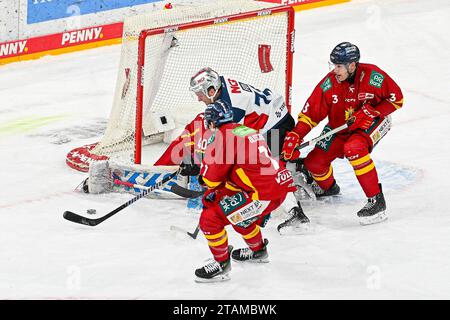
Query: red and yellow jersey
{"type": "Point", "coordinates": [238, 158]}
{"type": "Point", "coordinates": [339, 100]}
{"type": "Point", "coordinates": [190, 142]}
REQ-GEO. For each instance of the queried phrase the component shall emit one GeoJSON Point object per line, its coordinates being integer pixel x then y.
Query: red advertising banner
{"type": "Point", "coordinates": [60, 42]}
{"type": "Point", "coordinates": [92, 37]}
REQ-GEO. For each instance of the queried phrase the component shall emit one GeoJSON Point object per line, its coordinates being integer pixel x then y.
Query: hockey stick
{"type": "Point", "coordinates": [71, 216]}
{"type": "Point", "coordinates": [326, 135]}
{"type": "Point", "coordinates": [176, 189]}
{"type": "Point", "coordinates": [193, 235]}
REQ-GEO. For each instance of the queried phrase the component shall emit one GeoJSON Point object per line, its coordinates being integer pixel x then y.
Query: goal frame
{"type": "Point", "coordinates": [144, 34]}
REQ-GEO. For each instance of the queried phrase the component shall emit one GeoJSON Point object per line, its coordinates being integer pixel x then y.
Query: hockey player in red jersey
{"type": "Point", "coordinates": [245, 184]}
{"type": "Point", "coordinates": [262, 110]}
{"type": "Point", "coordinates": [352, 89]}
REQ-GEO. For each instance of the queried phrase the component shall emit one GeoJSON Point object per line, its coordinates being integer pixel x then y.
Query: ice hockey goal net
{"type": "Point", "coordinates": [161, 51]}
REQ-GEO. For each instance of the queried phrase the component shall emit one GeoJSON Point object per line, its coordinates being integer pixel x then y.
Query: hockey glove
{"type": "Point", "coordinates": [209, 198]}
{"type": "Point", "coordinates": [189, 169]}
{"type": "Point", "coordinates": [364, 117]}
{"type": "Point", "coordinates": [291, 141]}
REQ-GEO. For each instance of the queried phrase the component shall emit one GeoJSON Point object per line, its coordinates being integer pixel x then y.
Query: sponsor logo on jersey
{"type": "Point", "coordinates": [376, 79]}
{"type": "Point", "coordinates": [353, 157]}
{"type": "Point", "coordinates": [255, 138]}
{"type": "Point", "coordinates": [234, 86]}
{"type": "Point", "coordinates": [365, 96]}
{"type": "Point", "coordinates": [283, 177]}
{"type": "Point", "coordinates": [81, 35]}
{"type": "Point", "coordinates": [13, 48]}
{"type": "Point", "coordinates": [326, 142]}
{"type": "Point", "coordinates": [326, 85]}
{"type": "Point", "coordinates": [381, 131]}
{"type": "Point", "coordinates": [245, 87]}
{"type": "Point", "coordinates": [230, 203]}
{"type": "Point", "coordinates": [243, 131]}
{"type": "Point", "coordinates": [349, 112]}
{"type": "Point", "coordinates": [210, 140]}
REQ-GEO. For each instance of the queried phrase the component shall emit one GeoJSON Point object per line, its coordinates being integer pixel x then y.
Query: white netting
{"type": "Point", "coordinates": [172, 58]}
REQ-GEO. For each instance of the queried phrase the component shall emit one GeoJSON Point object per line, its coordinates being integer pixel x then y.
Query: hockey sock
{"type": "Point", "coordinates": [325, 180]}
{"type": "Point", "coordinates": [366, 174]}
{"type": "Point", "coordinates": [218, 244]}
{"type": "Point", "coordinates": [254, 239]}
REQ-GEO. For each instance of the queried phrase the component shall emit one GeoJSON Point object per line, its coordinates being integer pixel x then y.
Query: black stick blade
{"type": "Point", "coordinates": [194, 235]}
{"type": "Point", "coordinates": [71, 216]}
{"type": "Point", "coordinates": [185, 193]}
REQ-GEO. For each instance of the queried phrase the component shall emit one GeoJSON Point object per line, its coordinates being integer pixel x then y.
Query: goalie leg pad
{"type": "Point", "coordinates": [100, 179]}
{"type": "Point", "coordinates": [104, 176]}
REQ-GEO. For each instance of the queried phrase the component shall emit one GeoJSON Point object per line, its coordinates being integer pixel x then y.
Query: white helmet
{"type": "Point", "coordinates": [203, 80]}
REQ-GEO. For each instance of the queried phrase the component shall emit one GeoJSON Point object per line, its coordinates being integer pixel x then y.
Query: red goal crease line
{"type": "Point", "coordinates": [98, 36]}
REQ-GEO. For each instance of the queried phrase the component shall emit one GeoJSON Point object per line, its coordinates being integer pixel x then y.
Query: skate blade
{"type": "Point", "coordinates": [329, 199]}
{"type": "Point", "coordinates": [265, 260]}
{"type": "Point", "coordinates": [218, 278]}
{"type": "Point", "coordinates": [377, 218]}
{"type": "Point", "coordinates": [295, 230]}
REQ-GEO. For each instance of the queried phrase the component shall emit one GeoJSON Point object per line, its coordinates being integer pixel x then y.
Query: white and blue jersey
{"type": "Point", "coordinates": [258, 109]}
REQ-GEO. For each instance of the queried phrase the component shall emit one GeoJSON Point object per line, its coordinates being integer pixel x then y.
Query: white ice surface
{"type": "Point", "coordinates": [49, 106]}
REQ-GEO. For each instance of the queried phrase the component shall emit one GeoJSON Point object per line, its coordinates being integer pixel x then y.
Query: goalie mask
{"type": "Point", "coordinates": [205, 79]}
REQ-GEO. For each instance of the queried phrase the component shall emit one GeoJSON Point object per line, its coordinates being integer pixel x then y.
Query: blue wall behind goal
{"type": "Point", "coordinates": [46, 10]}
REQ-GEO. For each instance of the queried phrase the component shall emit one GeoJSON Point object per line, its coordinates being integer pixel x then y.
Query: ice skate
{"type": "Point", "coordinates": [321, 194]}
{"type": "Point", "coordinates": [374, 211]}
{"type": "Point", "coordinates": [214, 271]}
{"type": "Point", "coordinates": [297, 222]}
{"type": "Point", "coordinates": [248, 255]}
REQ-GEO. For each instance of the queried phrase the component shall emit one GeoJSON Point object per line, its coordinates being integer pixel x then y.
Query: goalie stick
{"type": "Point", "coordinates": [71, 216]}
{"type": "Point", "coordinates": [175, 188]}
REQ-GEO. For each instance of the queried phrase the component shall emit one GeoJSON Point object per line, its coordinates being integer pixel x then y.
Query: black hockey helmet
{"type": "Point", "coordinates": [344, 53]}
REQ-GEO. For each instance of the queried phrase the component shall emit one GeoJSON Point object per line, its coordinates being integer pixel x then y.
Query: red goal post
{"type": "Point", "coordinates": [226, 19]}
